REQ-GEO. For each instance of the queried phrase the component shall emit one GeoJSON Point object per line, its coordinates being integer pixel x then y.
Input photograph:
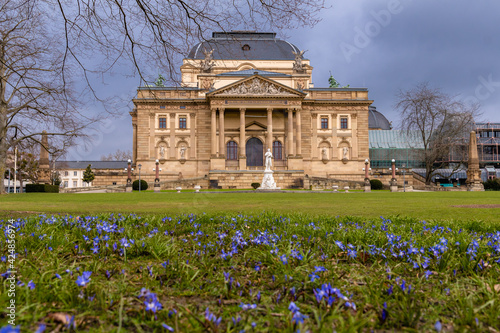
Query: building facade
{"type": "Point", "coordinates": [241, 94]}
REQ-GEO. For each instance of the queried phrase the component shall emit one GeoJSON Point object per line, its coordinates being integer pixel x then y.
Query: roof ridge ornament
{"type": "Point", "coordinates": [207, 63]}
{"type": "Point", "coordinates": [299, 56]}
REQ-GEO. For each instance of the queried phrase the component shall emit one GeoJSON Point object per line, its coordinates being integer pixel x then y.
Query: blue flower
{"type": "Point", "coordinates": [31, 285]}
{"type": "Point", "coordinates": [284, 260]}
{"type": "Point", "coordinates": [438, 326]}
{"type": "Point", "coordinates": [248, 306]}
{"type": "Point", "coordinates": [10, 329]}
{"type": "Point", "coordinates": [152, 304]}
{"type": "Point", "coordinates": [168, 328]}
{"type": "Point", "coordinates": [83, 279]}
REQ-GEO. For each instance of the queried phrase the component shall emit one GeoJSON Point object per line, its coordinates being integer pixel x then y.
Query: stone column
{"type": "Point", "coordinates": [152, 128]}
{"type": "Point", "coordinates": [242, 158]}
{"type": "Point", "coordinates": [354, 131]}
{"type": "Point", "coordinates": [314, 142]}
{"type": "Point", "coordinates": [172, 153]}
{"type": "Point", "coordinates": [299, 133]}
{"type": "Point", "coordinates": [242, 147]}
{"type": "Point", "coordinates": [270, 128]}
{"type": "Point", "coordinates": [134, 144]}
{"type": "Point", "coordinates": [222, 135]}
{"type": "Point", "coordinates": [335, 150]}
{"type": "Point", "coordinates": [290, 133]}
{"type": "Point", "coordinates": [192, 138]}
{"type": "Point", "coordinates": [213, 133]}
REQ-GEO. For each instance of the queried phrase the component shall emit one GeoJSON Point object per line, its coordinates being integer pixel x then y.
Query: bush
{"type": "Point", "coordinates": [492, 184]}
{"type": "Point", "coordinates": [376, 184]}
{"type": "Point", "coordinates": [32, 188]}
{"type": "Point", "coordinates": [255, 185]}
{"type": "Point", "coordinates": [144, 185]}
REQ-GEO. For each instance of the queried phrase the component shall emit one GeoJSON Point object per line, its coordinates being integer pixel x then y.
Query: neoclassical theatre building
{"type": "Point", "coordinates": [242, 93]}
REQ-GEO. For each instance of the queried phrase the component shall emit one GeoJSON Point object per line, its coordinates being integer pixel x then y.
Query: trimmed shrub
{"type": "Point", "coordinates": [144, 185]}
{"type": "Point", "coordinates": [46, 188]}
{"type": "Point", "coordinates": [255, 185]}
{"type": "Point", "coordinates": [492, 184]}
{"type": "Point", "coordinates": [376, 184]}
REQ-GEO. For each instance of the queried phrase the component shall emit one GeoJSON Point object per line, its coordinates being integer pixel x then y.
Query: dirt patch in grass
{"type": "Point", "coordinates": [477, 206]}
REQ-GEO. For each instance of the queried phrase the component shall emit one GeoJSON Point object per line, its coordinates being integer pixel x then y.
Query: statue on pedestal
{"type": "Point", "coordinates": [268, 182]}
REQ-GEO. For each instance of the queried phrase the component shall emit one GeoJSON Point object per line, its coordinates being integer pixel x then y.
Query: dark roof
{"type": "Point", "coordinates": [250, 72]}
{"type": "Point", "coordinates": [230, 45]}
{"type": "Point", "coordinates": [377, 120]}
{"type": "Point", "coordinates": [94, 164]}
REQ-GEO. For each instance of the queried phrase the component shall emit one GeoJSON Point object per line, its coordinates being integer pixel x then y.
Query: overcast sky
{"type": "Point", "coordinates": [382, 45]}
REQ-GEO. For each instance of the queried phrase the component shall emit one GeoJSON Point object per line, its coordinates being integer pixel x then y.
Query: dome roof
{"type": "Point", "coordinates": [376, 120]}
{"type": "Point", "coordinates": [245, 45]}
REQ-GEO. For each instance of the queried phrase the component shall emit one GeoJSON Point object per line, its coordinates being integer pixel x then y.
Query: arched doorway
{"type": "Point", "coordinates": [255, 152]}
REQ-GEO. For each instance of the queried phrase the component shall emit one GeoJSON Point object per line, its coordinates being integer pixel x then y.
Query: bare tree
{"type": "Point", "coordinates": [48, 47]}
{"type": "Point", "coordinates": [119, 155]}
{"type": "Point", "coordinates": [437, 120]}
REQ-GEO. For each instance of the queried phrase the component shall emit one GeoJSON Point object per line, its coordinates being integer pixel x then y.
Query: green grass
{"type": "Point", "coordinates": [429, 206]}
{"type": "Point", "coordinates": [418, 272]}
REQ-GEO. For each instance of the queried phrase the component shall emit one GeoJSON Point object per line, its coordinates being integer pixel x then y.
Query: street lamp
{"type": "Point", "coordinates": [404, 172]}
{"type": "Point", "coordinates": [139, 177]}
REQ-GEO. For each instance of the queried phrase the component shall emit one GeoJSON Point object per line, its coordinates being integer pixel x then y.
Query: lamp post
{"type": "Point", "coordinates": [139, 176]}
{"type": "Point", "coordinates": [157, 179]}
{"type": "Point", "coordinates": [10, 175]}
{"type": "Point", "coordinates": [404, 172]}
{"type": "Point", "coordinates": [393, 183]}
{"type": "Point", "coordinates": [128, 187]}
{"type": "Point", "coordinates": [15, 170]}
{"type": "Point", "coordinates": [368, 186]}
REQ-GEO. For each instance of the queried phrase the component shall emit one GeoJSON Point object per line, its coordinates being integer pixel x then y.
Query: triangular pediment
{"type": "Point", "coordinates": [255, 126]}
{"type": "Point", "coordinates": [256, 85]}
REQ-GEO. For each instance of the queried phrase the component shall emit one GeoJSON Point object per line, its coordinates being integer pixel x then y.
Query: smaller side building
{"type": "Point", "coordinates": [105, 172]}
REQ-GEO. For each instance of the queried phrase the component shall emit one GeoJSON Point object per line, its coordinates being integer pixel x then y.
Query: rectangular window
{"type": "Point", "coordinates": [162, 123]}
{"type": "Point", "coordinates": [65, 183]}
{"type": "Point", "coordinates": [324, 123]}
{"type": "Point", "coordinates": [182, 122]}
{"type": "Point", "coordinates": [66, 173]}
{"type": "Point", "coordinates": [343, 123]}
{"type": "Point", "coordinates": [75, 183]}
{"type": "Point", "coordinates": [75, 173]}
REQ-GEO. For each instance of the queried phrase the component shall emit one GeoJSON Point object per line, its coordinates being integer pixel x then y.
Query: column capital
{"type": "Point", "coordinates": [270, 109]}
{"type": "Point", "coordinates": [243, 109]}
{"type": "Point", "coordinates": [192, 115]}
{"type": "Point", "coordinates": [314, 115]}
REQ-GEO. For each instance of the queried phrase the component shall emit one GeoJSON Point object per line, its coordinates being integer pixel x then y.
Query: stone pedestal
{"type": "Point", "coordinates": [346, 189]}
{"type": "Point", "coordinates": [128, 188]}
{"type": "Point", "coordinates": [295, 163]}
{"type": "Point", "coordinates": [335, 188]}
{"type": "Point", "coordinates": [157, 187]}
{"type": "Point", "coordinates": [197, 188]}
{"type": "Point", "coordinates": [393, 185]}
{"type": "Point", "coordinates": [368, 186]}
{"type": "Point", "coordinates": [268, 182]}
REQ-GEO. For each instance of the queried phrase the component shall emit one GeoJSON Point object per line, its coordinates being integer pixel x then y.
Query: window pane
{"type": "Point", "coordinates": [232, 150]}
{"type": "Point", "coordinates": [182, 122]}
{"type": "Point", "coordinates": [324, 123]}
{"type": "Point", "coordinates": [277, 150]}
{"type": "Point", "coordinates": [163, 123]}
{"type": "Point", "coordinates": [343, 123]}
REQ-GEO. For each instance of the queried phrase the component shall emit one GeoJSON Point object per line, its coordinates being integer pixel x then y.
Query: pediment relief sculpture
{"type": "Point", "coordinates": [256, 87]}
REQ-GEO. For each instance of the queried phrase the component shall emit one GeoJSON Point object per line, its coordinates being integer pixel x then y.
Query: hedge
{"type": "Point", "coordinates": [144, 185]}
{"type": "Point", "coordinates": [42, 188]}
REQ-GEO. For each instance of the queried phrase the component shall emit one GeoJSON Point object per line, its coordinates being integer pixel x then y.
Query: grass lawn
{"type": "Point", "coordinates": [251, 262]}
{"type": "Point", "coordinates": [261, 273]}
{"type": "Point", "coordinates": [420, 205]}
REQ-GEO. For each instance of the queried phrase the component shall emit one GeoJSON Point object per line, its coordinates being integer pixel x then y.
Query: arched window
{"type": "Point", "coordinates": [277, 150]}
{"type": "Point", "coordinates": [232, 150]}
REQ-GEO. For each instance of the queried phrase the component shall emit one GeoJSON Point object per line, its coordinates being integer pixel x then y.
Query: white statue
{"type": "Point", "coordinates": [162, 151]}
{"type": "Point", "coordinates": [183, 152]}
{"type": "Point", "coordinates": [345, 150]}
{"type": "Point", "coordinates": [323, 154]}
{"type": "Point", "coordinates": [269, 157]}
